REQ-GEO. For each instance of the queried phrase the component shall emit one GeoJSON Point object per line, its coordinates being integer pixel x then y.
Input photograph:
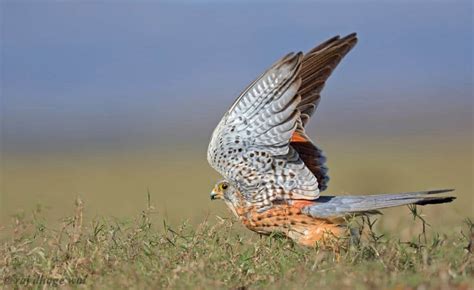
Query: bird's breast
{"type": "Point", "coordinates": [289, 220]}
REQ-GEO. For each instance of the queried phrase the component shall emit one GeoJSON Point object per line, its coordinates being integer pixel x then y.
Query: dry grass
{"type": "Point", "coordinates": [112, 253]}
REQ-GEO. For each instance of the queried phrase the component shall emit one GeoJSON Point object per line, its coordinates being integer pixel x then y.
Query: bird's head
{"type": "Point", "coordinates": [224, 190]}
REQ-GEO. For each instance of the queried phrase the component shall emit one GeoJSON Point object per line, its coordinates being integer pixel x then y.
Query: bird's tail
{"type": "Point", "coordinates": [339, 206]}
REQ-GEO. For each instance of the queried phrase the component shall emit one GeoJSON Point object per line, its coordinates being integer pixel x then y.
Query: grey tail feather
{"type": "Point", "coordinates": [339, 206]}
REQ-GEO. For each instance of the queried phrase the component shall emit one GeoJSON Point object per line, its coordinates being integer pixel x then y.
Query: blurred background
{"type": "Point", "coordinates": [111, 100]}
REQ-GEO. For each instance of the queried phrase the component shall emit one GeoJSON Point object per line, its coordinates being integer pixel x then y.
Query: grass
{"type": "Point", "coordinates": [136, 253]}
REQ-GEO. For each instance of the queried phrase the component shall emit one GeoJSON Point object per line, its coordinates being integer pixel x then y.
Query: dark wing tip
{"type": "Point", "coordinates": [292, 59]}
{"type": "Point", "coordinates": [435, 200]}
{"type": "Point", "coordinates": [350, 35]}
{"type": "Point", "coordinates": [437, 191]}
{"type": "Point", "coordinates": [336, 40]}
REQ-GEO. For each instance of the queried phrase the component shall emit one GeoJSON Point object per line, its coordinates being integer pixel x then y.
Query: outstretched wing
{"type": "Point", "coordinates": [251, 145]}
{"type": "Point", "coordinates": [317, 66]}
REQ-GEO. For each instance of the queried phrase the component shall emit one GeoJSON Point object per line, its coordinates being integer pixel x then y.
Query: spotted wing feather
{"type": "Point", "coordinates": [260, 144]}
{"type": "Point", "coordinates": [250, 146]}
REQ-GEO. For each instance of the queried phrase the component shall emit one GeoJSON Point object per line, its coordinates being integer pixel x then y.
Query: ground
{"type": "Point", "coordinates": [135, 253]}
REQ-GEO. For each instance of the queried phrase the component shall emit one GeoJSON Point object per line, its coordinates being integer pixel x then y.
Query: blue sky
{"type": "Point", "coordinates": [99, 75]}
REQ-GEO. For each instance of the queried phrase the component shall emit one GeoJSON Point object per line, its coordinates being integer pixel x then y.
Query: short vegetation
{"type": "Point", "coordinates": [119, 254]}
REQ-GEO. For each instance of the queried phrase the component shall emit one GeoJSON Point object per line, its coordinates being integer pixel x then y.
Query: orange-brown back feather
{"type": "Point", "coordinates": [317, 66]}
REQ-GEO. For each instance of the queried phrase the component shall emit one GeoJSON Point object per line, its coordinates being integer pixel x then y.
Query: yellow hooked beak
{"type": "Point", "coordinates": [216, 194]}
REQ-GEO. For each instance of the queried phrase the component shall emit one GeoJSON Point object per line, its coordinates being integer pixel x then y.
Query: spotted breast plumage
{"type": "Point", "coordinates": [273, 172]}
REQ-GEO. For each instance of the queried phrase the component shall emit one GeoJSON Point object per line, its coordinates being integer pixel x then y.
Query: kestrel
{"type": "Point", "coordinates": [273, 172]}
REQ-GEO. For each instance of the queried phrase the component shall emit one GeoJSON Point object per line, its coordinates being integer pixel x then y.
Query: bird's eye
{"type": "Point", "coordinates": [224, 186]}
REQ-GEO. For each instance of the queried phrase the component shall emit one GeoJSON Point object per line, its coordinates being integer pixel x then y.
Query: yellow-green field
{"type": "Point", "coordinates": [179, 179]}
{"type": "Point", "coordinates": [136, 253]}
{"type": "Point", "coordinates": [107, 107]}
{"type": "Point", "coordinates": [120, 242]}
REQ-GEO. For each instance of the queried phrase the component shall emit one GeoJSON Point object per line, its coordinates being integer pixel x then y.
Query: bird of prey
{"type": "Point", "coordinates": [273, 172]}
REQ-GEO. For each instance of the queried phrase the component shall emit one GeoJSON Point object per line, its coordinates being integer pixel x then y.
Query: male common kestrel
{"type": "Point", "coordinates": [273, 172]}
